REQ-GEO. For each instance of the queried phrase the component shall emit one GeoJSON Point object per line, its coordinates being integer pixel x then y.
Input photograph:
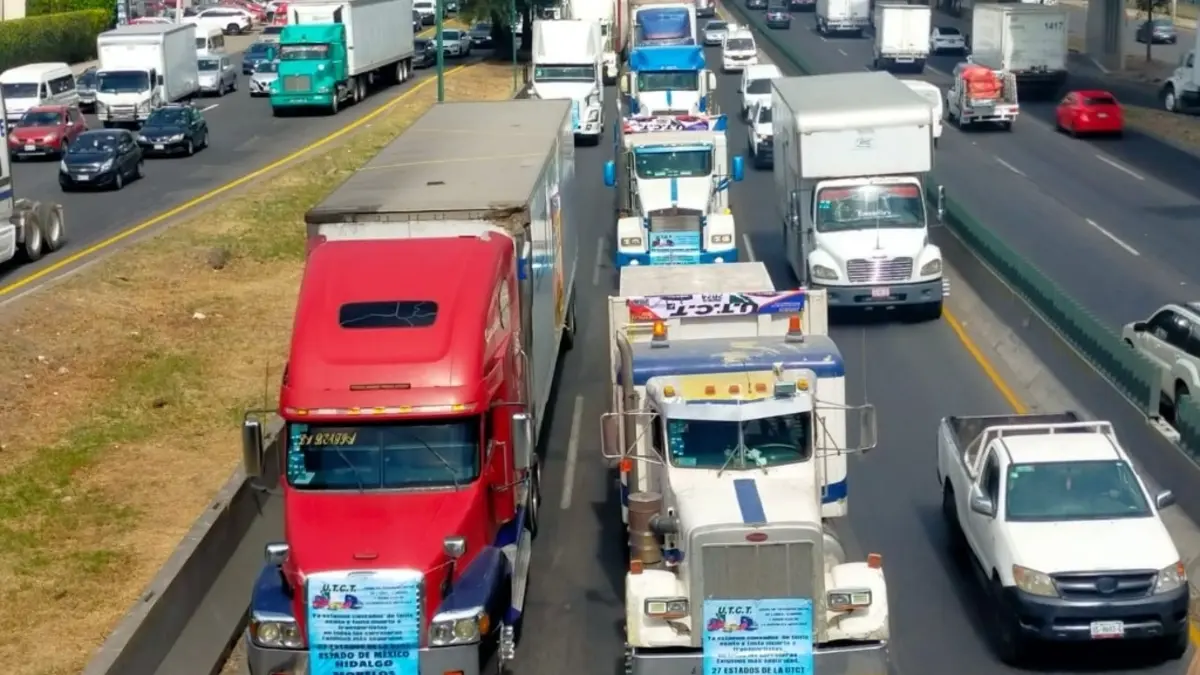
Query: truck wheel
{"type": "Point", "coordinates": [1174, 647]}
{"type": "Point", "coordinates": [333, 107]}
{"type": "Point", "coordinates": [54, 233]}
{"type": "Point", "coordinates": [1011, 645]}
{"type": "Point", "coordinates": [534, 516]}
{"type": "Point", "coordinates": [32, 249]}
{"type": "Point", "coordinates": [950, 515]}
{"type": "Point", "coordinates": [1170, 101]}
{"type": "Point", "coordinates": [569, 329]}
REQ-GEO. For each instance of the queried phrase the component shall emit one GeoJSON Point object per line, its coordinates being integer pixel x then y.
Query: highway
{"type": "Point", "coordinates": [1107, 229]}
{"type": "Point", "coordinates": [245, 138]}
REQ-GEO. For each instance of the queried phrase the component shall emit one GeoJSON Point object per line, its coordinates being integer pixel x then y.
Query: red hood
{"type": "Point", "coordinates": [327, 531]}
{"type": "Point", "coordinates": [21, 133]}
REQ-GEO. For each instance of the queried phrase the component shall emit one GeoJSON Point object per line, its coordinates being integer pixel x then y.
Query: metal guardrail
{"type": "Point", "coordinates": [1100, 345]}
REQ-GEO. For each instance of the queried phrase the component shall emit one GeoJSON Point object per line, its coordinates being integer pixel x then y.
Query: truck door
{"type": "Point", "coordinates": [978, 530]}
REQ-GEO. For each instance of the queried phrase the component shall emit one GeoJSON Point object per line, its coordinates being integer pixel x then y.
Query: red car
{"type": "Point", "coordinates": [45, 131]}
{"type": "Point", "coordinates": [1090, 112]}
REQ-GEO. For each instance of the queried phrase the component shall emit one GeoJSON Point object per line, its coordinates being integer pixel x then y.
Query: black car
{"type": "Point", "coordinates": [256, 54]}
{"type": "Point", "coordinates": [417, 21]}
{"type": "Point", "coordinates": [756, 4]}
{"type": "Point", "coordinates": [425, 53]}
{"type": "Point", "coordinates": [100, 158]}
{"type": "Point", "coordinates": [778, 15]}
{"type": "Point", "coordinates": [173, 129]}
{"type": "Point", "coordinates": [481, 34]}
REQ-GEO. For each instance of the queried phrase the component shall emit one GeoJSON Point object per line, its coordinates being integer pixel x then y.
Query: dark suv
{"type": "Point", "coordinates": [778, 14]}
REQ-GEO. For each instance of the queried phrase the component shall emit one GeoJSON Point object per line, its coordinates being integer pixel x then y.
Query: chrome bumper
{"type": "Point", "coordinates": [464, 659]}
{"type": "Point", "coordinates": [869, 659]}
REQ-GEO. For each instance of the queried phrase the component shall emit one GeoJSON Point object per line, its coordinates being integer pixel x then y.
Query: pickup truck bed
{"type": "Point", "coordinates": [965, 433]}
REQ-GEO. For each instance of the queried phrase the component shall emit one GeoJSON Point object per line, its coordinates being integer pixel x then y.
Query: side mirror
{"type": "Point", "coordinates": [868, 428]}
{"type": "Point", "coordinates": [710, 80]}
{"type": "Point", "coordinates": [1164, 499]}
{"type": "Point", "coordinates": [610, 437]}
{"type": "Point", "coordinates": [275, 552]}
{"type": "Point", "coordinates": [455, 547]}
{"type": "Point", "coordinates": [610, 173]}
{"type": "Point", "coordinates": [252, 448]}
{"type": "Point", "coordinates": [739, 168]}
{"type": "Point", "coordinates": [626, 83]}
{"type": "Point", "coordinates": [1140, 327]}
{"type": "Point", "coordinates": [522, 435]}
{"type": "Point", "coordinates": [982, 504]}
{"type": "Point", "coordinates": [941, 202]}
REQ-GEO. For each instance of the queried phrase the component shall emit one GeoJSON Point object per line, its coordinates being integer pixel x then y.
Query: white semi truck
{"type": "Point", "coordinates": [843, 16]}
{"type": "Point", "coordinates": [1028, 41]}
{"type": "Point", "coordinates": [602, 12]}
{"type": "Point", "coordinates": [728, 425]}
{"type": "Point", "coordinates": [568, 62]}
{"type": "Point", "coordinates": [852, 154]}
{"type": "Point", "coordinates": [902, 36]}
{"type": "Point", "coordinates": [143, 67]}
{"type": "Point", "coordinates": [28, 229]}
{"type": "Point", "coordinates": [673, 177]}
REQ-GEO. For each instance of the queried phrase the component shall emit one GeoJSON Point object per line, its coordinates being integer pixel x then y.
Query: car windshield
{"type": "Point", "coordinates": [762, 86]}
{"type": "Point", "coordinates": [266, 67]}
{"type": "Point", "coordinates": [482, 28]}
{"type": "Point", "coordinates": [1100, 100]}
{"type": "Point", "coordinates": [451, 35]}
{"type": "Point", "coordinates": [92, 143]}
{"type": "Point", "coordinates": [947, 30]}
{"type": "Point", "coordinates": [690, 163]}
{"type": "Point", "coordinates": [19, 90]}
{"type": "Point", "coordinates": [257, 49]}
{"type": "Point", "coordinates": [123, 81]}
{"type": "Point", "coordinates": [716, 25]}
{"type": "Point", "coordinates": [739, 44]}
{"type": "Point", "coordinates": [865, 207]}
{"type": "Point", "coordinates": [552, 73]}
{"type": "Point", "coordinates": [209, 65]}
{"type": "Point", "coordinates": [383, 456]}
{"type": "Point", "coordinates": [1063, 491]}
{"type": "Point", "coordinates": [305, 52]}
{"type": "Point", "coordinates": [648, 81]}
{"type": "Point", "coordinates": [753, 444]}
{"type": "Point", "coordinates": [41, 118]}
{"type": "Point", "coordinates": [764, 115]}
{"type": "Point", "coordinates": [167, 118]}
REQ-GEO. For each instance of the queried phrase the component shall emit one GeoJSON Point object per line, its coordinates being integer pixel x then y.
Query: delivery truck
{"type": "Point", "coordinates": [1028, 41]}
{"type": "Point", "coordinates": [568, 62]}
{"type": "Point", "coordinates": [852, 154]}
{"type": "Point", "coordinates": [333, 51]}
{"type": "Point", "coordinates": [843, 16]}
{"type": "Point", "coordinates": [421, 388]}
{"type": "Point", "coordinates": [902, 36]}
{"type": "Point", "coordinates": [143, 67]}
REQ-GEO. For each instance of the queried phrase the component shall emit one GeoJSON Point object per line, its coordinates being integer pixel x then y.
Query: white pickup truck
{"type": "Point", "coordinates": [1063, 533]}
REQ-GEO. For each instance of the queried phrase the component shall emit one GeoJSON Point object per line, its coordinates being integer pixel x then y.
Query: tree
{"type": "Point", "coordinates": [1151, 8]}
{"type": "Point", "coordinates": [501, 15]}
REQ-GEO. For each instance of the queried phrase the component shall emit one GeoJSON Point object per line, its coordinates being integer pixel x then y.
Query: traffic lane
{"type": "Point", "coordinates": [1078, 226]}
{"type": "Point", "coordinates": [240, 145]}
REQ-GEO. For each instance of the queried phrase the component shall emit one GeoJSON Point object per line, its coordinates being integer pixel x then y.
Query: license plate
{"type": "Point", "coordinates": [83, 177]}
{"type": "Point", "coordinates": [30, 148]}
{"type": "Point", "coordinates": [883, 292]}
{"type": "Point", "coordinates": [1106, 630]}
{"type": "Point", "coordinates": [905, 60]}
{"type": "Point", "coordinates": [158, 146]}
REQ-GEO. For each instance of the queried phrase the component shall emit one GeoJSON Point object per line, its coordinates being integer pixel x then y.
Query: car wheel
{"type": "Point", "coordinates": [139, 170]}
{"type": "Point", "coordinates": [1170, 102]}
{"type": "Point", "coordinates": [233, 85]}
{"type": "Point", "coordinates": [190, 148]}
{"type": "Point", "coordinates": [1174, 647]}
{"type": "Point", "coordinates": [119, 180]}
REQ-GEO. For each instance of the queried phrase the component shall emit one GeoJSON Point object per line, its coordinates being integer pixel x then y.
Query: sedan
{"type": "Point", "coordinates": [1158, 31]}
{"type": "Point", "coordinates": [456, 43]}
{"type": "Point", "coordinates": [947, 40]}
{"type": "Point", "coordinates": [173, 129]}
{"type": "Point", "coordinates": [424, 53]}
{"type": "Point", "coordinates": [45, 131]}
{"type": "Point", "coordinates": [715, 32]}
{"type": "Point", "coordinates": [1090, 112]}
{"type": "Point", "coordinates": [779, 17]}
{"type": "Point", "coordinates": [264, 76]}
{"type": "Point", "coordinates": [101, 158]}
{"type": "Point", "coordinates": [481, 35]}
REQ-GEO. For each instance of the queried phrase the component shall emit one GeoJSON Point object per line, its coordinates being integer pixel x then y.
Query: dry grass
{"type": "Point", "coordinates": [124, 387]}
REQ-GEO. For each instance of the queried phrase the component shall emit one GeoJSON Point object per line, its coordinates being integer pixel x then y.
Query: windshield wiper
{"type": "Point", "coordinates": [353, 469]}
{"type": "Point", "coordinates": [740, 452]}
{"type": "Point", "coordinates": [453, 473]}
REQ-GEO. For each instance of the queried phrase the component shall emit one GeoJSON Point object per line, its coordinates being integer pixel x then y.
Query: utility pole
{"type": "Point", "coordinates": [441, 55]}
{"type": "Point", "coordinates": [512, 12]}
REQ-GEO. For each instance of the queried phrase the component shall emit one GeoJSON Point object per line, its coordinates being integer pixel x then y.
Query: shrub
{"type": "Point", "coordinates": [43, 7]}
{"type": "Point", "coordinates": [69, 37]}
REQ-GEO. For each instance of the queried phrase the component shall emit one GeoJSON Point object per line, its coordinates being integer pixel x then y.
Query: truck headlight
{"type": "Point", "coordinates": [631, 241]}
{"type": "Point", "coordinates": [1034, 582]}
{"type": "Point", "coordinates": [1171, 577]}
{"type": "Point", "coordinates": [849, 599]}
{"type": "Point", "coordinates": [823, 272]}
{"type": "Point", "coordinates": [721, 239]}
{"type": "Point", "coordinates": [276, 632]}
{"type": "Point", "coordinates": [666, 608]}
{"type": "Point", "coordinates": [931, 267]}
{"type": "Point", "coordinates": [460, 628]}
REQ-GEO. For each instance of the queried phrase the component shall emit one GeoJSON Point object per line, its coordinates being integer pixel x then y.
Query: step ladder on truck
{"type": "Point", "coordinates": [728, 426]}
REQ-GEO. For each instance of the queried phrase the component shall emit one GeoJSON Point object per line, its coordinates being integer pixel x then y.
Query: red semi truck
{"type": "Point", "coordinates": [437, 297]}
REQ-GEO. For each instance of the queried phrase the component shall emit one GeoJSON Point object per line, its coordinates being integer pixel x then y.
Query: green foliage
{"type": "Point", "coordinates": [44, 7]}
{"type": "Point", "coordinates": [69, 37]}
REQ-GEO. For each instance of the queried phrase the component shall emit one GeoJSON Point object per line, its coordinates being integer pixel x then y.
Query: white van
{"type": "Point", "coordinates": [37, 84]}
{"type": "Point", "coordinates": [931, 93]}
{"type": "Point", "coordinates": [209, 40]}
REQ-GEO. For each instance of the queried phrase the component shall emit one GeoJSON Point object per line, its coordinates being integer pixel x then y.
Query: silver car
{"type": "Point", "coordinates": [715, 32]}
{"type": "Point", "coordinates": [265, 73]}
{"type": "Point", "coordinates": [217, 75]}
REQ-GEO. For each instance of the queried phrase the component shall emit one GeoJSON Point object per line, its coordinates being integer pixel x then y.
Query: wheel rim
{"type": "Point", "coordinates": [119, 181]}
{"type": "Point", "coordinates": [34, 245]}
{"type": "Point", "coordinates": [190, 148]}
{"type": "Point", "coordinates": [1170, 101]}
{"type": "Point", "coordinates": [54, 229]}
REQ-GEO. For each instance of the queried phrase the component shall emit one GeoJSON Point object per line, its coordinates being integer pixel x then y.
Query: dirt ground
{"type": "Point", "coordinates": [124, 390]}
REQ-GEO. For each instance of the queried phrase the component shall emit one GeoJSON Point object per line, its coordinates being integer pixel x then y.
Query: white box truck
{"type": "Point", "coordinates": [568, 62]}
{"type": "Point", "coordinates": [902, 36]}
{"type": "Point", "coordinates": [843, 16]}
{"type": "Point", "coordinates": [143, 67]}
{"type": "Point", "coordinates": [852, 151]}
{"type": "Point", "coordinates": [1029, 41]}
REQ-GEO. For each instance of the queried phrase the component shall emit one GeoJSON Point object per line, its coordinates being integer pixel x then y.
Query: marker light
{"type": "Point", "coordinates": [794, 324]}
{"type": "Point", "coordinates": [635, 566]}
{"type": "Point", "coordinates": [660, 330]}
{"type": "Point", "coordinates": [626, 465]}
{"type": "Point", "coordinates": [734, 389]}
{"type": "Point", "coordinates": [875, 561]}
{"type": "Point", "coordinates": [760, 387]}
{"type": "Point", "coordinates": [802, 385]}
{"type": "Point", "coordinates": [669, 391]}
{"type": "Point", "coordinates": [710, 390]}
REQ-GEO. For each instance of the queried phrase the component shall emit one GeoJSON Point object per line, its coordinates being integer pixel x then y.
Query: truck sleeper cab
{"type": "Point", "coordinates": [668, 80]}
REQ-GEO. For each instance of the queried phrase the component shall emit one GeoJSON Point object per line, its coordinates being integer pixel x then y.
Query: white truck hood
{"type": "Point", "coordinates": [685, 193]}
{"type": "Point", "coordinates": [1092, 546]}
{"type": "Point", "coordinates": [576, 91]}
{"type": "Point", "coordinates": [124, 98]}
{"type": "Point", "coordinates": [656, 102]}
{"type": "Point", "coordinates": [753, 497]}
{"type": "Point", "coordinates": [843, 246]}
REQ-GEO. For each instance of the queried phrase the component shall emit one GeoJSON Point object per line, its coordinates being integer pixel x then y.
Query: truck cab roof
{"type": "Point", "coordinates": [1073, 447]}
{"type": "Point", "coordinates": [817, 353]}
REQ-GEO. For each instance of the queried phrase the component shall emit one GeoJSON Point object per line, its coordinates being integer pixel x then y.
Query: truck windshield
{"type": "Point", "coordinates": [383, 456]}
{"type": "Point", "coordinates": [123, 81]}
{"type": "Point", "coordinates": [1065, 491]}
{"type": "Point", "coordinates": [865, 207]}
{"type": "Point", "coordinates": [303, 52]}
{"type": "Point", "coordinates": [553, 73]}
{"type": "Point", "coordinates": [208, 65]}
{"type": "Point", "coordinates": [772, 441]}
{"type": "Point", "coordinates": [680, 164]}
{"type": "Point", "coordinates": [739, 45]}
{"type": "Point", "coordinates": [668, 81]}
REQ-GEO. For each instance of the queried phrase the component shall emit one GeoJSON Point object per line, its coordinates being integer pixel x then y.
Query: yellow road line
{"type": "Point", "coordinates": [208, 196]}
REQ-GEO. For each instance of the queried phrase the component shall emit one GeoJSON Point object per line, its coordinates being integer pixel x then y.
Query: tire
{"type": "Point", "coordinates": [139, 170]}
{"type": "Point", "coordinates": [929, 312]}
{"type": "Point", "coordinates": [33, 248]}
{"type": "Point", "coordinates": [1012, 646]}
{"type": "Point", "coordinates": [54, 231]}
{"type": "Point", "coordinates": [191, 148]}
{"type": "Point", "coordinates": [233, 29]}
{"type": "Point", "coordinates": [569, 330]}
{"type": "Point", "coordinates": [118, 181]}
{"type": "Point", "coordinates": [203, 141]}
{"type": "Point", "coordinates": [954, 534]}
{"type": "Point", "coordinates": [1174, 647]}
{"type": "Point", "coordinates": [534, 516]}
{"type": "Point", "coordinates": [1170, 100]}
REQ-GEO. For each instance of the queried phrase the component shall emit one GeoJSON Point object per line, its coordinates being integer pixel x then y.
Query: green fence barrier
{"type": "Point", "coordinates": [1133, 374]}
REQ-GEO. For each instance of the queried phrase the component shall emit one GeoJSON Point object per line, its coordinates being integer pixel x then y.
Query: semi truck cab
{"type": "Point", "coordinates": [669, 80]}
{"type": "Point", "coordinates": [312, 66]}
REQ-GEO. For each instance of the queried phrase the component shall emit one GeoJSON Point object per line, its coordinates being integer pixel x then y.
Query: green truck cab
{"type": "Point", "coordinates": [312, 67]}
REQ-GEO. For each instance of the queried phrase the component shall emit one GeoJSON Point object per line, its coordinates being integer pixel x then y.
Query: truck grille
{"type": "Point", "coordinates": [1104, 585]}
{"type": "Point", "coordinates": [863, 271]}
{"type": "Point", "coordinates": [297, 83]}
{"type": "Point", "coordinates": [756, 571]}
